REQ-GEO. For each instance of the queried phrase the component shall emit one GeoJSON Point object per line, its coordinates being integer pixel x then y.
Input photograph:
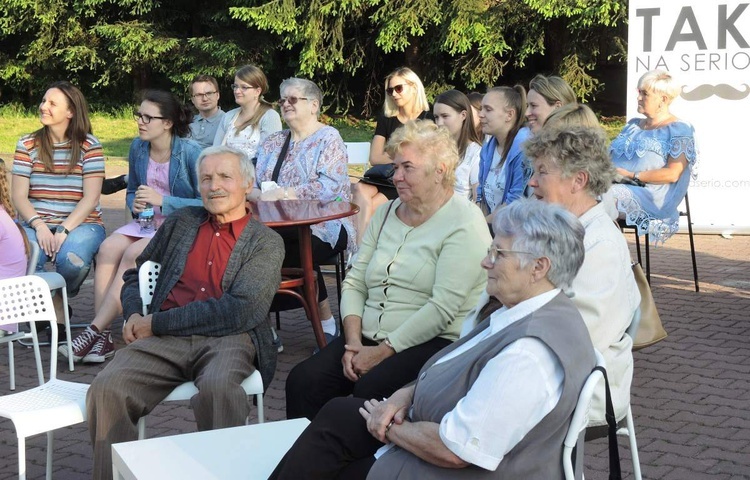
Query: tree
{"type": "Point", "coordinates": [113, 48]}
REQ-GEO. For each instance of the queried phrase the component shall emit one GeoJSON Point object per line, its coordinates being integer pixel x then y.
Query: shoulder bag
{"type": "Point", "coordinates": [650, 330]}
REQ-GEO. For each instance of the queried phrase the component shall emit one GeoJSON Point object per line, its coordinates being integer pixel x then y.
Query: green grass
{"type": "Point", "coordinates": [117, 129]}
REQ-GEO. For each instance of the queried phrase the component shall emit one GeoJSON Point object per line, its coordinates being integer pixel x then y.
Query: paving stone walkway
{"type": "Point", "coordinates": [690, 399]}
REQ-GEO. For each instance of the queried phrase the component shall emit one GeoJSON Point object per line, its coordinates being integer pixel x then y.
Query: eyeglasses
{"type": "Point", "coordinates": [203, 96]}
{"type": "Point", "coordinates": [292, 100]}
{"type": "Point", "coordinates": [495, 253]}
{"type": "Point", "coordinates": [396, 88]}
{"type": "Point", "coordinates": [244, 88]}
{"type": "Point", "coordinates": [146, 119]}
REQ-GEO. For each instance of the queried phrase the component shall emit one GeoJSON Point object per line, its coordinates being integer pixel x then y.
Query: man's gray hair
{"type": "Point", "coordinates": [307, 88]}
{"type": "Point", "coordinates": [246, 165]}
{"type": "Point", "coordinates": [544, 230]}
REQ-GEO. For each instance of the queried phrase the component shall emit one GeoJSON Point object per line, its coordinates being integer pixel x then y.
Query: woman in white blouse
{"type": "Point", "coordinates": [245, 127]}
{"type": "Point", "coordinates": [453, 111]}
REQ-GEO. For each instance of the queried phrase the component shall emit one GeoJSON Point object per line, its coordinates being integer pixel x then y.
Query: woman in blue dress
{"type": "Point", "coordinates": [659, 151]}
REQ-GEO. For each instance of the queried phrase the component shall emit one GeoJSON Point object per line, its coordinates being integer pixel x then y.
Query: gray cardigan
{"type": "Point", "coordinates": [249, 284]}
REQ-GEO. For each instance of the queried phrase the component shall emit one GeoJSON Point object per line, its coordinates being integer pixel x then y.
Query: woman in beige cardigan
{"type": "Point", "coordinates": [416, 277]}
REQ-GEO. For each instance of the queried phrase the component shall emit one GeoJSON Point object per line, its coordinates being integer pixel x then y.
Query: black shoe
{"type": "Point", "coordinates": [114, 185]}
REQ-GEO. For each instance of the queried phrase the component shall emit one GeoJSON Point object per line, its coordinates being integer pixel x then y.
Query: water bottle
{"type": "Point", "coordinates": [146, 219]}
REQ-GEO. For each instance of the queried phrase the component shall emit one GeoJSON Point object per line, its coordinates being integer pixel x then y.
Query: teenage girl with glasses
{"type": "Point", "coordinates": [405, 100]}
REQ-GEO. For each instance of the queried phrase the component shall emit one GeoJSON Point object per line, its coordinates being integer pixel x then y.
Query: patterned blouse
{"type": "Point", "coordinates": [316, 167]}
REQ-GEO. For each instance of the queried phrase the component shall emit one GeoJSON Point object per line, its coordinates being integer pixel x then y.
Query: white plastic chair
{"type": "Point", "coordinates": [148, 274]}
{"type": "Point", "coordinates": [55, 282]}
{"type": "Point", "coordinates": [628, 428]}
{"type": "Point", "coordinates": [53, 404]}
{"type": "Point", "coordinates": [358, 153]}
{"type": "Point", "coordinates": [579, 421]}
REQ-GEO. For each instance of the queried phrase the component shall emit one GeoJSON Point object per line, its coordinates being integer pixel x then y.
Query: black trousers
{"type": "Point", "coordinates": [321, 251]}
{"type": "Point", "coordinates": [336, 445]}
{"type": "Point", "coordinates": [320, 378]}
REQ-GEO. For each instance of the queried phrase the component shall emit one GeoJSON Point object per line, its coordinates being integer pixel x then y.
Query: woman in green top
{"type": "Point", "coordinates": [416, 277]}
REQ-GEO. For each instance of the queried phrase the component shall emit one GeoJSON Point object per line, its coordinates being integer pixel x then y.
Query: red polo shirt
{"type": "Point", "coordinates": [206, 262]}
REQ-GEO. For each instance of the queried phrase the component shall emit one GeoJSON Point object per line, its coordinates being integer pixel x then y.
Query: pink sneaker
{"type": "Point", "coordinates": [103, 349]}
{"type": "Point", "coordinates": [82, 344]}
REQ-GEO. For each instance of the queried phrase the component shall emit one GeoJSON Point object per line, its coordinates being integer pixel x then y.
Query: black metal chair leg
{"type": "Point", "coordinates": [648, 258]}
{"type": "Point", "coordinates": [692, 243]}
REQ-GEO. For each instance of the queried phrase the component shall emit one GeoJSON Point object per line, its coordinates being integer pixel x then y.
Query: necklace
{"type": "Point", "coordinates": [163, 158]}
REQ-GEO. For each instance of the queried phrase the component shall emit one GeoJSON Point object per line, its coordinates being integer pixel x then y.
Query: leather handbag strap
{"type": "Point", "coordinates": [390, 206]}
{"type": "Point", "coordinates": [282, 157]}
{"type": "Point", "coordinates": [614, 453]}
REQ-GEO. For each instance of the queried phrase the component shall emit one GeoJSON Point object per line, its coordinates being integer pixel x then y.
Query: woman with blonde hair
{"type": "Point", "coordinates": [13, 244]}
{"type": "Point", "coordinates": [416, 277]}
{"type": "Point", "coordinates": [572, 114]}
{"type": "Point", "coordinates": [245, 127]}
{"type": "Point", "coordinates": [405, 100]}
{"type": "Point", "coordinates": [546, 94]}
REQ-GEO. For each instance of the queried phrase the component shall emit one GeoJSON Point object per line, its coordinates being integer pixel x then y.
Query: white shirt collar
{"type": "Point", "coordinates": [504, 316]}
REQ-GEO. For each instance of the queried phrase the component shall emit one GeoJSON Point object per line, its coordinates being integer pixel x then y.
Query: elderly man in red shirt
{"type": "Point", "coordinates": [207, 322]}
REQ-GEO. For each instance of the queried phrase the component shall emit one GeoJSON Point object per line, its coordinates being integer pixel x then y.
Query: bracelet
{"type": "Point", "coordinates": [31, 220]}
{"type": "Point", "coordinates": [286, 193]}
{"type": "Point", "coordinates": [388, 344]}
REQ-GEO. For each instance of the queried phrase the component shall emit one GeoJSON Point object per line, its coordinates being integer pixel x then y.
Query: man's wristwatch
{"type": "Point", "coordinates": [62, 229]}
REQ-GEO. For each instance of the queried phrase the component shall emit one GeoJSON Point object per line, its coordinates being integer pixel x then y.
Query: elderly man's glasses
{"type": "Point", "coordinates": [396, 88]}
{"type": "Point", "coordinates": [494, 253]}
{"type": "Point", "coordinates": [292, 100]}
{"type": "Point", "coordinates": [145, 119]}
{"type": "Point", "coordinates": [203, 96]}
{"type": "Point", "coordinates": [243, 88]}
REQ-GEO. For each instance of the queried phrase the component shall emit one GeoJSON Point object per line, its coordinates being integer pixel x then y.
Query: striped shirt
{"type": "Point", "coordinates": [55, 195]}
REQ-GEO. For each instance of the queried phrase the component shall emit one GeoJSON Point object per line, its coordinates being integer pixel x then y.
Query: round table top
{"type": "Point", "coordinates": [286, 213]}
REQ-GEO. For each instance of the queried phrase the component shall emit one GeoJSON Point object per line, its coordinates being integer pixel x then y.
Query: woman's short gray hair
{"type": "Point", "coordinates": [575, 148]}
{"type": "Point", "coordinates": [661, 83]}
{"type": "Point", "coordinates": [306, 87]}
{"type": "Point", "coordinates": [544, 230]}
{"type": "Point", "coordinates": [246, 164]}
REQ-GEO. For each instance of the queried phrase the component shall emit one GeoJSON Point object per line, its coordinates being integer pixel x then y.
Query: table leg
{"type": "Point", "coordinates": [310, 290]}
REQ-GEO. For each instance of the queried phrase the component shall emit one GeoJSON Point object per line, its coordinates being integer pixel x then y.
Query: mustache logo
{"type": "Point", "coordinates": [722, 90]}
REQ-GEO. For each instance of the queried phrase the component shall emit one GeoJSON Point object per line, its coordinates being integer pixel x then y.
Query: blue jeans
{"type": "Point", "coordinates": [76, 254]}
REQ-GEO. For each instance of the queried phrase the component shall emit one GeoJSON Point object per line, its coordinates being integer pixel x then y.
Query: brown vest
{"type": "Point", "coordinates": [439, 388]}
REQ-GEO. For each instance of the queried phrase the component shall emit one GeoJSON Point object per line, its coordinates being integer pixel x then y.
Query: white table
{"type": "Point", "coordinates": [249, 452]}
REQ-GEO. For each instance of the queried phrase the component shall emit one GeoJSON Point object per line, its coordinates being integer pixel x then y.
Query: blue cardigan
{"type": "Point", "coordinates": [517, 171]}
{"type": "Point", "coordinates": [183, 178]}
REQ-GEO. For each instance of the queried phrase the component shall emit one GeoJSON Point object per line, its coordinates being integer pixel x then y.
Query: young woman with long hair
{"type": "Point", "coordinates": [453, 110]}
{"type": "Point", "coordinates": [161, 175]}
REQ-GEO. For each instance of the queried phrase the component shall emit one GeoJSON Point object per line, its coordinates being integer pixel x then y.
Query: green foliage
{"type": "Point", "coordinates": [112, 48]}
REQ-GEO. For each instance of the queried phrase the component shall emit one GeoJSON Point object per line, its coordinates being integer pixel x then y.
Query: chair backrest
{"type": "Point", "coordinates": [148, 274]}
{"type": "Point", "coordinates": [358, 152]}
{"type": "Point", "coordinates": [28, 299]}
{"type": "Point", "coordinates": [580, 420]}
{"type": "Point", "coordinates": [33, 258]}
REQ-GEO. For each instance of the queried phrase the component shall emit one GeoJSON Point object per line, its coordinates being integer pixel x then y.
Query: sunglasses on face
{"type": "Point", "coordinates": [396, 88]}
{"type": "Point", "coordinates": [292, 100]}
{"type": "Point", "coordinates": [146, 119]}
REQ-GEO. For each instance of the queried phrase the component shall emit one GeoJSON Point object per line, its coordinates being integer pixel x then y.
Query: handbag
{"type": "Point", "coordinates": [380, 175]}
{"type": "Point", "coordinates": [650, 330]}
